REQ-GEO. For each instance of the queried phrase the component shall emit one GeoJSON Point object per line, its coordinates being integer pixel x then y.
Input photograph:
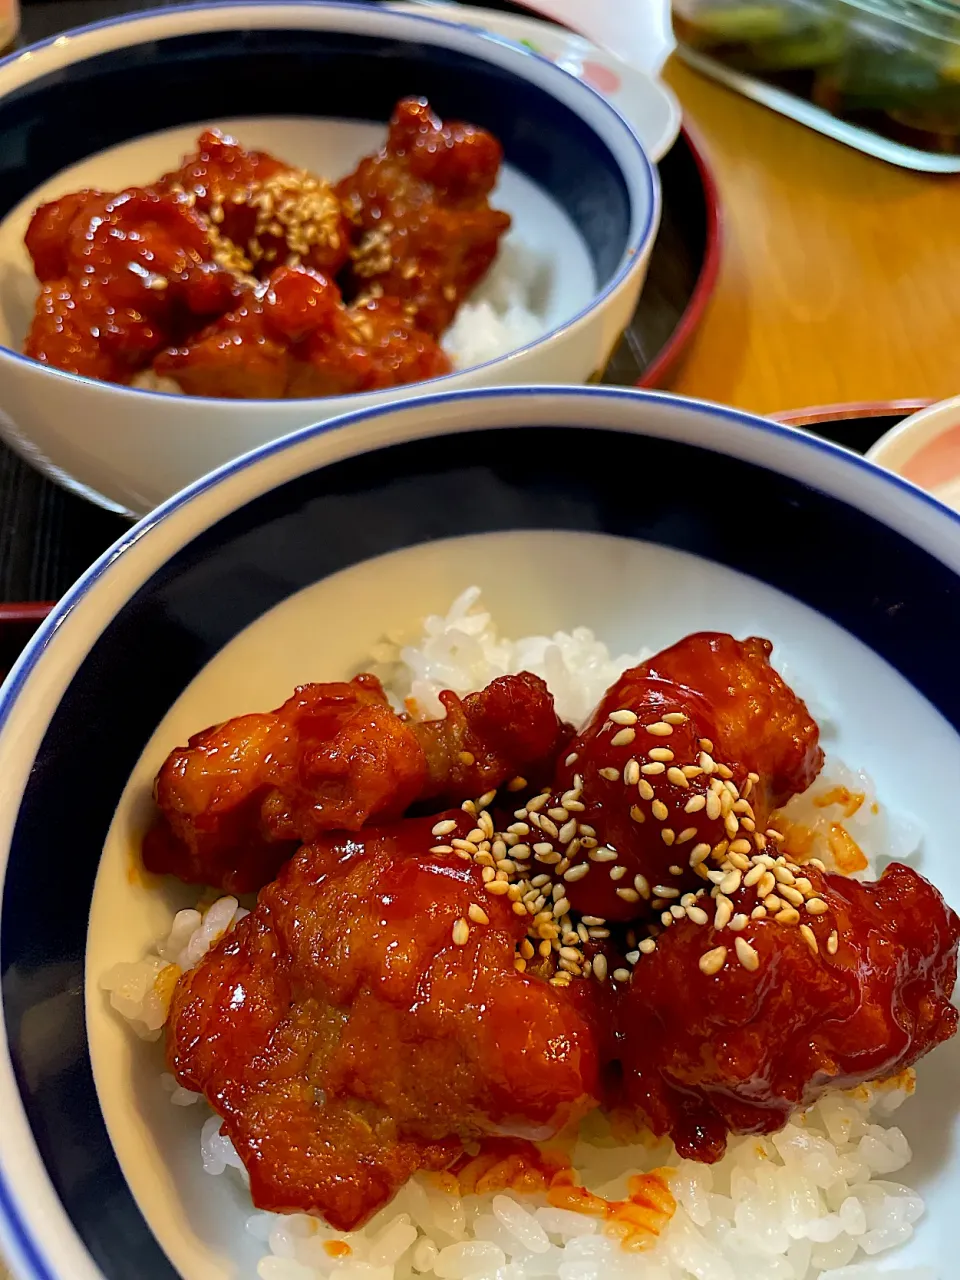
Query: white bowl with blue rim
{"type": "Point", "coordinates": [642, 515]}
{"type": "Point", "coordinates": [119, 102]}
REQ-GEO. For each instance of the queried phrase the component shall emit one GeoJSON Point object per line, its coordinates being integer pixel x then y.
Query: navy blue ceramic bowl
{"type": "Point", "coordinates": [313, 82]}
{"type": "Point", "coordinates": [640, 515]}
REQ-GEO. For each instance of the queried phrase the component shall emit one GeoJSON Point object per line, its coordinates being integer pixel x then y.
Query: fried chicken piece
{"type": "Point", "coordinates": [362, 1023]}
{"type": "Point", "coordinates": [238, 799]}
{"type": "Point", "coordinates": [265, 212]}
{"type": "Point", "coordinates": [686, 753]}
{"type": "Point", "coordinates": [427, 233]}
{"type": "Point", "coordinates": [123, 274]}
{"type": "Point", "coordinates": [854, 990]}
{"type": "Point", "coordinates": [296, 338]}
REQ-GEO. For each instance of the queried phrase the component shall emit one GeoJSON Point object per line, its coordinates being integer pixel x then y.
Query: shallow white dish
{"type": "Point", "coordinates": [593, 221]}
{"type": "Point", "coordinates": [925, 449]}
{"type": "Point", "coordinates": [223, 598]}
{"type": "Point", "coordinates": [644, 101]}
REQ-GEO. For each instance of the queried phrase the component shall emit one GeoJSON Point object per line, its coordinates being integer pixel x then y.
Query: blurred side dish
{"type": "Point", "coordinates": [893, 68]}
{"type": "Point", "coordinates": [238, 275]}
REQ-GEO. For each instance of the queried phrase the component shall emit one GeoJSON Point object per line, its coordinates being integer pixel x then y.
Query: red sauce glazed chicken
{"type": "Point", "coordinates": [368, 1018]}
{"type": "Point", "coordinates": [611, 923]}
{"type": "Point", "coordinates": [240, 276]}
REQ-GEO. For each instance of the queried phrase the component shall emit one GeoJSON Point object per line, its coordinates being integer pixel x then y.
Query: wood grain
{"type": "Point", "coordinates": [840, 273]}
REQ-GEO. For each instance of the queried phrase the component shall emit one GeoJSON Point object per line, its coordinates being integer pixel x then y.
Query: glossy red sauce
{"type": "Point", "coordinates": [226, 275]}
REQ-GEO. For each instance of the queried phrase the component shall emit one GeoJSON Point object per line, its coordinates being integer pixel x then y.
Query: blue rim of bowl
{"type": "Point", "coordinates": [633, 252]}
{"type": "Point", "coordinates": [15, 682]}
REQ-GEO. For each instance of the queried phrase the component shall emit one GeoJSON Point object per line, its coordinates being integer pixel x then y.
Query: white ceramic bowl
{"type": "Point", "coordinates": [641, 515]}
{"type": "Point", "coordinates": [925, 449]}
{"type": "Point", "coordinates": [582, 192]}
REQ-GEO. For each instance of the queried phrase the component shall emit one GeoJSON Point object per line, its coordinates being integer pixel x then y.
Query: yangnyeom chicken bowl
{"type": "Point", "coordinates": [545, 962]}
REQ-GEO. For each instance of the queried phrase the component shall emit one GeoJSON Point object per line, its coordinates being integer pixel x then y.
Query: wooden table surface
{"type": "Point", "coordinates": [840, 274]}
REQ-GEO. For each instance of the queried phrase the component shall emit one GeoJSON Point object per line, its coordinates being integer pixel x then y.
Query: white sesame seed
{"type": "Point", "coordinates": [623, 738]}
{"type": "Point", "coordinates": [746, 954]}
{"type": "Point", "coordinates": [646, 946]}
{"type": "Point", "coordinates": [724, 913]}
{"type": "Point", "coordinates": [659, 729]}
{"type": "Point", "coordinates": [665, 891]}
{"type": "Point", "coordinates": [549, 828]}
{"type": "Point", "coordinates": [645, 789]}
{"type": "Point", "coordinates": [766, 885]}
{"type": "Point", "coordinates": [677, 777]}
{"type": "Point", "coordinates": [676, 870]}
{"type": "Point", "coordinates": [816, 906]}
{"type": "Point", "coordinates": [662, 754]}
{"type": "Point", "coordinates": [560, 908]}
{"type": "Point", "coordinates": [787, 915]}
{"type": "Point", "coordinates": [628, 895]}
{"type": "Point", "coordinates": [738, 922]}
{"type": "Point", "coordinates": [642, 885]}
{"type": "Point", "coordinates": [571, 758]}
{"type": "Point", "coordinates": [543, 847]}
{"type": "Point", "coordinates": [442, 848]}
{"type": "Point", "coordinates": [695, 804]}
{"type": "Point", "coordinates": [833, 943]}
{"type": "Point", "coordinates": [668, 835]}
{"type": "Point", "coordinates": [497, 887]}
{"type": "Point", "coordinates": [622, 975]}
{"type": "Point", "coordinates": [678, 912]}
{"type": "Point", "coordinates": [602, 854]}
{"type": "Point", "coordinates": [675, 717]}
{"type": "Point", "coordinates": [759, 912]}
{"type": "Point", "coordinates": [631, 773]}
{"type": "Point", "coordinates": [567, 831]}
{"type": "Point", "coordinates": [699, 853]}
{"type": "Point", "coordinates": [792, 895]}
{"type": "Point", "coordinates": [706, 762]}
{"type": "Point", "coordinates": [623, 717]}
{"type": "Point", "coordinates": [600, 967]}
{"type": "Point", "coordinates": [730, 882]}
{"type": "Point", "coordinates": [586, 830]}
{"type": "Point", "coordinates": [659, 810]}
{"type": "Point", "coordinates": [810, 938]}
{"type": "Point", "coordinates": [686, 834]}
{"type": "Point", "coordinates": [636, 813]}
{"type": "Point", "coordinates": [618, 872]}
{"type": "Point", "coordinates": [594, 922]}
{"type": "Point", "coordinates": [444, 828]}
{"type": "Point", "coordinates": [697, 915]}
{"type": "Point", "coordinates": [577, 872]}
{"type": "Point", "coordinates": [712, 962]}
{"type": "Point", "coordinates": [461, 932]}
{"type": "Point", "coordinates": [477, 914]}
{"type": "Point", "coordinates": [651, 770]}
{"type": "Point", "coordinates": [713, 806]}
{"type": "Point", "coordinates": [611, 775]}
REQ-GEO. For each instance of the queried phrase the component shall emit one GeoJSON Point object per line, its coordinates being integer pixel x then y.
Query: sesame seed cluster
{"type": "Point", "coordinates": [293, 207]}
{"type": "Point", "coordinates": [548, 848]}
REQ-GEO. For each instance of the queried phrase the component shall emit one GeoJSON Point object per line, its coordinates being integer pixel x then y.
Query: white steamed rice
{"type": "Point", "coordinates": [816, 1201]}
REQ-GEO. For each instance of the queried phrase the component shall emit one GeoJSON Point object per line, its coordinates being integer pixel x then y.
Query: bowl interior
{"type": "Point", "coordinates": [300, 582]}
{"type": "Point", "coordinates": [560, 264]}
{"type": "Point", "coordinates": [575, 179]}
